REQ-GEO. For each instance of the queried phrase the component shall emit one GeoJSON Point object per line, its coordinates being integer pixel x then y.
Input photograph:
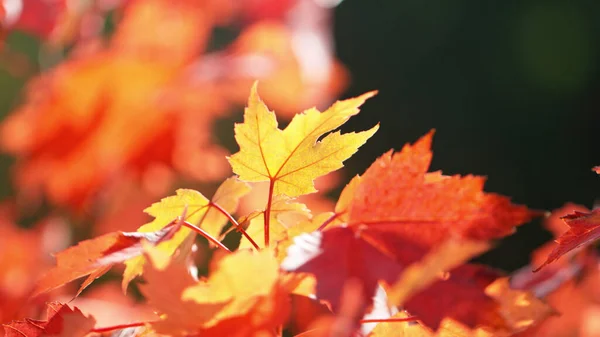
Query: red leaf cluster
{"type": "Point", "coordinates": [398, 214]}
{"type": "Point", "coordinates": [127, 115]}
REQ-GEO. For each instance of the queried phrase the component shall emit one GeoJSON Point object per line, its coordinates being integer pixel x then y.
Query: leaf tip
{"type": "Point", "coordinates": [254, 93]}
{"type": "Point", "coordinates": [369, 94]}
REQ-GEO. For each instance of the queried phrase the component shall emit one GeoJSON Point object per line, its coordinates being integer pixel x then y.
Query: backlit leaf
{"type": "Point", "coordinates": [292, 158]}
{"type": "Point", "coordinates": [584, 229]}
{"type": "Point", "coordinates": [96, 255]}
{"type": "Point", "coordinates": [198, 211]}
{"type": "Point", "coordinates": [242, 296]}
{"type": "Point", "coordinates": [399, 213]}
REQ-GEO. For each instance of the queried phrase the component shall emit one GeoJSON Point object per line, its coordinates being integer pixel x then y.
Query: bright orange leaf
{"type": "Point", "coordinates": [96, 256]}
{"type": "Point", "coordinates": [520, 309]}
{"type": "Point", "coordinates": [399, 213]}
{"type": "Point", "coordinates": [233, 301]}
{"type": "Point", "coordinates": [166, 281]}
{"type": "Point", "coordinates": [61, 321]}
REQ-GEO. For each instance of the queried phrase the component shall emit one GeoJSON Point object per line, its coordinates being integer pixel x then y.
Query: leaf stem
{"type": "Point", "coordinates": [383, 320]}
{"type": "Point", "coordinates": [119, 327]}
{"type": "Point", "coordinates": [205, 234]}
{"type": "Point", "coordinates": [235, 223]}
{"type": "Point", "coordinates": [329, 220]}
{"type": "Point", "coordinates": [267, 213]}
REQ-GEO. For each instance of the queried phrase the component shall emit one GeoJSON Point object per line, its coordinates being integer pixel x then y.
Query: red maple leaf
{"type": "Point", "coordinates": [461, 297]}
{"type": "Point", "coordinates": [584, 229]}
{"type": "Point", "coordinates": [61, 321]}
{"type": "Point", "coordinates": [398, 214]}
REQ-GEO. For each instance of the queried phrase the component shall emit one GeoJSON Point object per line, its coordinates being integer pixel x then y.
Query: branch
{"type": "Point", "coordinates": [235, 223]}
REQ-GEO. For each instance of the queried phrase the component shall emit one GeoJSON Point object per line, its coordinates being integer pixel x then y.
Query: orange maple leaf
{"type": "Point", "coordinates": [61, 321]}
{"type": "Point", "coordinates": [96, 256]}
{"type": "Point", "coordinates": [584, 229]}
{"type": "Point", "coordinates": [397, 214]}
{"type": "Point", "coordinates": [243, 296]}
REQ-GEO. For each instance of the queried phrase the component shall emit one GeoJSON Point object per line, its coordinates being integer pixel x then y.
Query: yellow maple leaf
{"type": "Point", "coordinates": [292, 158]}
{"type": "Point", "coordinates": [166, 279]}
{"type": "Point", "coordinates": [198, 211]}
{"type": "Point", "coordinates": [250, 284]}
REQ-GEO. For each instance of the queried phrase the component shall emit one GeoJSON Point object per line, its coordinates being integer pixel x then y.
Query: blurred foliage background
{"type": "Point", "coordinates": [512, 87]}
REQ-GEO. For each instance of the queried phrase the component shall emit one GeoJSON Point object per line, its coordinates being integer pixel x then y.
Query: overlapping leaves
{"type": "Point", "coordinates": [397, 225]}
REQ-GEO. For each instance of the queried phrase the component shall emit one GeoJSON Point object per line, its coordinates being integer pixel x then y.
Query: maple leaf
{"type": "Point", "coordinates": [61, 321]}
{"type": "Point", "coordinates": [398, 213]}
{"type": "Point", "coordinates": [345, 200]}
{"type": "Point", "coordinates": [233, 301]}
{"type": "Point", "coordinates": [292, 158]}
{"type": "Point", "coordinates": [199, 211]}
{"type": "Point", "coordinates": [574, 298]}
{"type": "Point", "coordinates": [568, 266]}
{"type": "Point", "coordinates": [165, 281]}
{"type": "Point", "coordinates": [519, 309]}
{"type": "Point", "coordinates": [331, 219]}
{"type": "Point", "coordinates": [420, 274]}
{"type": "Point", "coordinates": [96, 256]}
{"type": "Point", "coordinates": [584, 229]}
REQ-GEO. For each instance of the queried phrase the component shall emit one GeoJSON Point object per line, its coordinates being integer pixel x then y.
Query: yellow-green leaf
{"type": "Point", "coordinates": [292, 158]}
{"type": "Point", "coordinates": [198, 211]}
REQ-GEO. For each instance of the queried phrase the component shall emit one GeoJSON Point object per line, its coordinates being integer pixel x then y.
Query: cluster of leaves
{"type": "Point", "coordinates": [389, 258]}
{"type": "Point", "coordinates": [398, 238]}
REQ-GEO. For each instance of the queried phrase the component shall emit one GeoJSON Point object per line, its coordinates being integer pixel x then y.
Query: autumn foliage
{"type": "Point", "coordinates": [248, 245]}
